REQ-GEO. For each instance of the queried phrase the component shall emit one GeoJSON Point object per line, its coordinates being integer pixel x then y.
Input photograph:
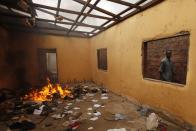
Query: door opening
{"type": "Point", "coordinates": [48, 65]}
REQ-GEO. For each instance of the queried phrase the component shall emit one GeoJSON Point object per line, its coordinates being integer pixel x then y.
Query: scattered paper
{"type": "Point", "coordinates": [121, 129]}
{"type": "Point", "coordinates": [41, 107]}
{"type": "Point", "coordinates": [119, 116]}
{"type": "Point", "coordinates": [94, 118]}
{"type": "Point", "coordinates": [76, 108]}
{"type": "Point", "coordinates": [69, 104]}
{"type": "Point", "coordinates": [96, 105]}
{"type": "Point", "coordinates": [90, 94]}
{"type": "Point", "coordinates": [95, 101]}
{"type": "Point", "coordinates": [90, 128]}
{"type": "Point", "coordinates": [37, 112]}
{"type": "Point", "coordinates": [104, 94]}
{"type": "Point", "coordinates": [89, 113]}
{"type": "Point", "coordinates": [97, 113]}
{"type": "Point", "coordinates": [104, 97]}
{"type": "Point", "coordinates": [58, 116]}
{"type": "Point", "coordinates": [69, 112]}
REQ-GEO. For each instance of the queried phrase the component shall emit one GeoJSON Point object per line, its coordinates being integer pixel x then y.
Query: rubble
{"type": "Point", "coordinates": [152, 122]}
{"type": "Point", "coordinates": [24, 125]}
{"type": "Point", "coordinates": [85, 108]}
{"type": "Point", "coordinates": [120, 129]}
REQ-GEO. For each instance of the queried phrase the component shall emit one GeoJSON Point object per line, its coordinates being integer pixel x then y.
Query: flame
{"type": "Point", "coordinates": [46, 93]}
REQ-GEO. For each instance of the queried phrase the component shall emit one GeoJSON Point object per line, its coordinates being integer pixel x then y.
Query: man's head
{"type": "Point", "coordinates": [168, 53]}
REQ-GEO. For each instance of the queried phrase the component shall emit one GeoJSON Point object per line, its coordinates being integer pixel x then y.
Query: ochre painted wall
{"type": "Point", "coordinates": [73, 56]}
{"type": "Point", "coordinates": [124, 43]}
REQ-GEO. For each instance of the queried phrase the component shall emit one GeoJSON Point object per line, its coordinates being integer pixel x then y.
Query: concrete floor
{"type": "Point", "coordinates": [134, 121]}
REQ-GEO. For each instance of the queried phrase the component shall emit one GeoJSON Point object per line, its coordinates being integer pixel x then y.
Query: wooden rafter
{"type": "Point", "coordinates": [71, 11]}
{"type": "Point", "coordinates": [146, 6]}
{"type": "Point", "coordinates": [97, 8]}
{"type": "Point", "coordinates": [111, 18]}
{"type": "Point", "coordinates": [57, 12]}
{"type": "Point", "coordinates": [40, 27]}
{"type": "Point", "coordinates": [89, 11]}
{"type": "Point", "coordinates": [82, 11]}
{"type": "Point", "coordinates": [46, 20]}
{"type": "Point", "coordinates": [78, 23]}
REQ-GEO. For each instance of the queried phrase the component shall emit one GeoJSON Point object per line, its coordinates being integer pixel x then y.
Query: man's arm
{"type": "Point", "coordinates": [161, 70]}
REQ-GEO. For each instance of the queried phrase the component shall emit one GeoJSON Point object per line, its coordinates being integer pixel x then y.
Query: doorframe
{"type": "Point", "coordinates": [48, 50]}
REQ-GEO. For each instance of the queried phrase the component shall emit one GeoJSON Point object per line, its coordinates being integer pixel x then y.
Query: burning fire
{"type": "Point", "coordinates": [47, 92]}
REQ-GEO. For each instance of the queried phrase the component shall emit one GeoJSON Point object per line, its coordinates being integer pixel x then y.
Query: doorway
{"type": "Point", "coordinates": [47, 65]}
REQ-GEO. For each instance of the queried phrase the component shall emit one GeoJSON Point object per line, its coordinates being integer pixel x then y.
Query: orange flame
{"type": "Point", "coordinates": [46, 93]}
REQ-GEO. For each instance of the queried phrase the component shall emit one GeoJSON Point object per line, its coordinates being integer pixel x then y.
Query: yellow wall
{"type": "Point", "coordinates": [72, 55]}
{"type": "Point", "coordinates": [124, 43]}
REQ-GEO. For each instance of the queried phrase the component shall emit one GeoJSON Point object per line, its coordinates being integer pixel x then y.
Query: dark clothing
{"type": "Point", "coordinates": [166, 70]}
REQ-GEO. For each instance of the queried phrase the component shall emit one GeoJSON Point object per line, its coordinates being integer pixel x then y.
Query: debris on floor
{"type": "Point", "coordinates": [152, 122]}
{"type": "Point", "coordinates": [86, 107]}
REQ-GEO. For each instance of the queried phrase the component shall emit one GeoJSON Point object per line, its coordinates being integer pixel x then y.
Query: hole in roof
{"type": "Point", "coordinates": [68, 15]}
{"type": "Point", "coordinates": [65, 20]}
{"type": "Point", "coordinates": [94, 21]}
{"type": "Point", "coordinates": [144, 3]}
{"type": "Point", "coordinates": [111, 6]}
{"type": "Point", "coordinates": [128, 12]}
{"type": "Point", "coordinates": [71, 5]}
{"type": "Point", "coordinates": [44, 15]}
{"type": "Point", "coordinates": [132, 1]}
{"type": "Point", "coordinates": [85, 29]}
{"type": "Point", "coordinates": [93, 1]}
{"type": "Point", "coordinates": [52, 3]}
{"type": "Point", "coordinates": [95, 12]}
{"type": "Point", "coordinates": [64, 26]}
{"type": "Point", "coordinates": [51, 12]}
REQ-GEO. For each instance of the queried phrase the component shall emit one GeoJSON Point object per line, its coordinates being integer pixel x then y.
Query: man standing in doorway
{"type": "Point", "coordinates": [166, 67]}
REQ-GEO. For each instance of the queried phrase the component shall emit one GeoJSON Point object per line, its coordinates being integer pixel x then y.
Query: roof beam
{"type": "Point", "coordinates": [40, 27]}
{"type": "Point", "coordinates": [89, 11]}
{"type": "Point", "coordinates": [50, 13]}
{"type": "Point", "coordinates": [146, 6]}
{"type": "Point", "coordinates": [138, 3]}
{"type": "Point", "coordinates": [82, 11]}
{"type": "Point", "coordinates": [57, 12]}
{"type": "Point", "coordinates": [46, 20]}
{"type": "Point", "coordinates": [70, 11]}
{"type": "Point", "coordinates": [97, 8]}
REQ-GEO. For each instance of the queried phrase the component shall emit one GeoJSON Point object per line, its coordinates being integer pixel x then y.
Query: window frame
{"type": "Point", "coordinates": [102, 60]}
{"type": "Point", "coordinates": [143, 54]}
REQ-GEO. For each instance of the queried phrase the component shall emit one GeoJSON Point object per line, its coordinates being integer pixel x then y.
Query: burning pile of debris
{"type": "Point", "coordinates": [48, 92]}
{"type": "Point", "coordinates": [43, 101]}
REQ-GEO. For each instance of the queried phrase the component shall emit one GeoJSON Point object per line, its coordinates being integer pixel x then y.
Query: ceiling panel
{"type": "Point", "coordinates": [111, 6]}
{"type": "Point", "coordinates": [52, 3]}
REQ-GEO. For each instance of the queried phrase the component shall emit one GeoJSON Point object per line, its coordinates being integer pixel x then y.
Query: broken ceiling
{"type": "Point", "coordinates": [79, 18]}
